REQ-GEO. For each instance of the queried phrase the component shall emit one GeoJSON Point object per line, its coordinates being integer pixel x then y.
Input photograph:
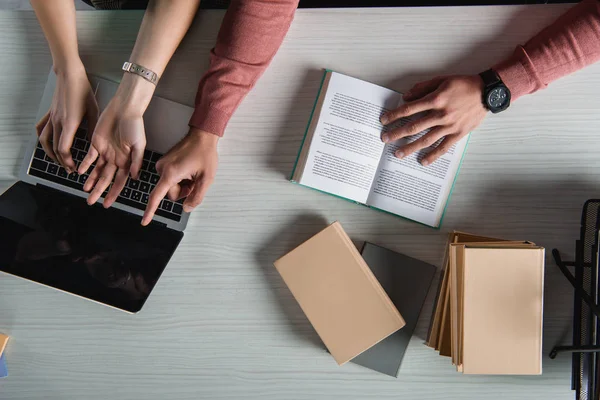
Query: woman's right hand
{"type": "Point", "coordinates": [72, 102]}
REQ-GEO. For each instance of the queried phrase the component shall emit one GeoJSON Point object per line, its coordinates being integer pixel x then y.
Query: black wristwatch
{"type": "Point", "coordinates": [496, 96]}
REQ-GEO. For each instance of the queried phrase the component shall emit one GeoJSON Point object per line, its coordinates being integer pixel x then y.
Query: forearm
{"type": "Point", "coordinates": [569, 44]}
{"type": "Point", "coordinates": [251, 33]}
{"type": "Point", "coordinates": [57, 19]}
{"type": "Point", "coordinates": [163, 27]}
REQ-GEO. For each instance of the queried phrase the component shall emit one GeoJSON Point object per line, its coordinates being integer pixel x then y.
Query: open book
{"type": "Point", "coordinates": [342, 154]}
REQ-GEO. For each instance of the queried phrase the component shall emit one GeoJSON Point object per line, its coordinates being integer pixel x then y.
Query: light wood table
{"type": "Point", "coordinates": [221, 323]}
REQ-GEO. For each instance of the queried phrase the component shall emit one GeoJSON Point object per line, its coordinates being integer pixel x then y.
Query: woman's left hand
{"type": "Point", "coordinates": [453, 107]}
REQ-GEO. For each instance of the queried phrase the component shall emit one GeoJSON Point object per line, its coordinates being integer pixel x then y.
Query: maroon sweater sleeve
{"type": "Point", "coordinates": [250, 35]}
{"type": "Point", "coordinates": [569, 44]}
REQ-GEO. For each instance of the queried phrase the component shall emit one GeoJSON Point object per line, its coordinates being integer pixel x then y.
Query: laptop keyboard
{"type": "Point", "coordinates": [135, 193]}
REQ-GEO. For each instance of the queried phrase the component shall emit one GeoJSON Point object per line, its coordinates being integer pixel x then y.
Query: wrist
{"type": "Point", "coordinates": [204, 137]}
{"type": "Point", "coordinates": [68, 67]}
{"type": "Point", "coordinates": [134, 93]}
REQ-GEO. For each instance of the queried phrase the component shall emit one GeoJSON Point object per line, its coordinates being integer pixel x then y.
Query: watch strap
{"type": "Point", "coordinates": [490, 77]}
{"type": "Point", "coordinates": [144, 72]}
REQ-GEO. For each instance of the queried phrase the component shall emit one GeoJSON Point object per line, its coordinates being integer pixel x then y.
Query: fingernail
{"type": "Point", "coordinates": [187, 209]}
{"type": "Point", "coordinates": [424, 163]}
{"type": "Point", "coordinates": [399, 154]}
{"type": "Point", "coordinates": [385, 137]}
{"type": "Point", "coordinates": [384, 119]}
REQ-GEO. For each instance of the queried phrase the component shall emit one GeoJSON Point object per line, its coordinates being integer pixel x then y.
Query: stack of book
{"type": "Point", "coordinates": [364, 313]}
{"type": "Point", "coordinates": [3, 369]}
{"type": "Point", "coordinates": [488, 315]}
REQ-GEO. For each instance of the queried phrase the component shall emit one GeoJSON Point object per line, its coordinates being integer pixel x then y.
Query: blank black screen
{"type": "Point", "coordinates": [58, 240]}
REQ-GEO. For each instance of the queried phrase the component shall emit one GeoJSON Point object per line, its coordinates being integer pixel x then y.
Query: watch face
{"type": "Point", "coordinates": [497, 97]}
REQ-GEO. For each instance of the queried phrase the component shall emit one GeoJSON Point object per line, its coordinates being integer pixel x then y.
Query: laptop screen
{"type": "Point", "coordinates": [56, 239]}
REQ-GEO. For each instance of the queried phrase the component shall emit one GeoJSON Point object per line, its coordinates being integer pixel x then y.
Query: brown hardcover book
{"type": "Point", "coordinates": [339, 294]}
{"type": "Point", "coordinates": [503, 292]}
{"type": "Point", "coordinates": [439, 332]}
{"type": "Point", "coordinates": [488, 313]}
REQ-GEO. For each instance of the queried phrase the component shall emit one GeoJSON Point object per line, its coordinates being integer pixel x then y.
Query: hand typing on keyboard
{"type": "Point", "coordinates": [119, 141]}
{"type": "Point", "coordinates": [73, 101]}
{"type": "Point", "coordinates": [187, 170]}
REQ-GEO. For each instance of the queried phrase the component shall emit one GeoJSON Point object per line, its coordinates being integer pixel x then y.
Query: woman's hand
{"type": "Point", "coordinates": [187, 170]}
{"type": "Point", "coordinates": [73, 101]}
{"type": "Point", "coordinates": [453, 107]}
{"type": "Point", "coordinates": [118, 141]}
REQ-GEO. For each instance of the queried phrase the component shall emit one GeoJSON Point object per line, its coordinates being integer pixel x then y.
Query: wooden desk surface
{"type": "Point", "coordinates": [221, 323]}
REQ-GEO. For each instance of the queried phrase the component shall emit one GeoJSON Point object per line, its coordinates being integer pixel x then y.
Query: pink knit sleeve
{"type": "Point", "coordinates": [569, 44]}
{"type": "Point", "coordinates": [250, 35]}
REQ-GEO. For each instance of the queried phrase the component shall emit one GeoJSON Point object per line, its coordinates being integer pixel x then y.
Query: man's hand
{"type": "Point", "coordinates": [187, 170]}
{"type": "Point", "coordinates": [118, 141]}
{"type": "Point", "coordinates": [453, 107]}
{"type": "Point", "coordinates": [72, 101]}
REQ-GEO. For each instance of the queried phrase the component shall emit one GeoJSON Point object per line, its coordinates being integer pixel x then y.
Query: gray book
{"type": "Point", "coordinates": [406, 281]}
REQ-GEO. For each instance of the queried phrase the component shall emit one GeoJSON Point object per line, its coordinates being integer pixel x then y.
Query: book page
{"type": "Point", "coordinates": [346, 146]}
{"type": "Point", "coordinates": [406, 188]}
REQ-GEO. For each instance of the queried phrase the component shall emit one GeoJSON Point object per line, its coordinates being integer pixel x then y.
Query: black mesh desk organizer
{"type": "Point", "coordinates": [586, 310]}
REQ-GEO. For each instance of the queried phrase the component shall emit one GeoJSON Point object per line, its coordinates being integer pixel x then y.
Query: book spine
{"type": "Point", "coordinates": [312, 113]}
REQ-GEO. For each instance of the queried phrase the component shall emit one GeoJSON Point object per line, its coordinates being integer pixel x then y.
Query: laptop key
{"type": "Point", "coordinates": [62, 172]}
{"type": "Point", "coordinates": [145, 187]}
{"type": "Point", "coordinates": [154, 179]}
{"type": "Point", "coordinates": [147, 154]}
{"type": "Point", "coordinates": [152, 168]}
{"type": "Point", "coordinates": [145, 198]}
{"type": "Point", "coordinates": [134, 184]}
{"type": "Point", "coordinates": [145, 165]}
{"type": "Point", "coordinates": [39, 145]}
{"type": "Point", "coordinates": [73, 176]}
{"type": "Point", "coordinates": [135, 195]}
{"type": "Point", "coordinates": [83, 179]}
{"type": "Point", "coordinates": [79, 144]}
{"type": "Point", "coordinates": [39, 164]}
{"type": "Point", "coordinates": [80, 156]}
{"type": "Point", "coordinates": [52, 169]}
{"type": "Point", "coordinates": [177, 209]}
{"type": "Point", "coordinates": [81, 133]}
{"type": "Point", "coordinates": [145, 176]}
{"type": "Point", "coordinates": [39, 153]}
{"type": "Point", "coordinates": [126, 192]}
{"type": "Point", "coordinates": [166, 205]}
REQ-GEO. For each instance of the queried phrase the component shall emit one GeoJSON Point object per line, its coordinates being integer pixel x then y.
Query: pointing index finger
{"type": "Point", "coordinates": [159, 193]}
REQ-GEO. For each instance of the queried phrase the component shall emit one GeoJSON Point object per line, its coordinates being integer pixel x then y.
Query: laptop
{"type": "Point", "coordinates": [52, 237]}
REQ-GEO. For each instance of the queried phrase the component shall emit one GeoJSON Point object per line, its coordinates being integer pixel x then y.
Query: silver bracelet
{"type": "Point", "coordinates": [144, 72]}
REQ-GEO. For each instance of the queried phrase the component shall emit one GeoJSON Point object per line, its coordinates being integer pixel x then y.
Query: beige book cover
{"type": "Point", "coordinates": [339, 294]}
{"type": "Point", "coordinates": [444, 327]}
{"type": "Point", "coordinates": [457, 289]}
{"type": "Point", "coordinates": [440, 305]}
{"type": "Point", "coordinates": [502, 310]}
{"type": "Point", "coordinates": [439, 335]}
{"type": "Point", "coordinates": [3, 341]}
